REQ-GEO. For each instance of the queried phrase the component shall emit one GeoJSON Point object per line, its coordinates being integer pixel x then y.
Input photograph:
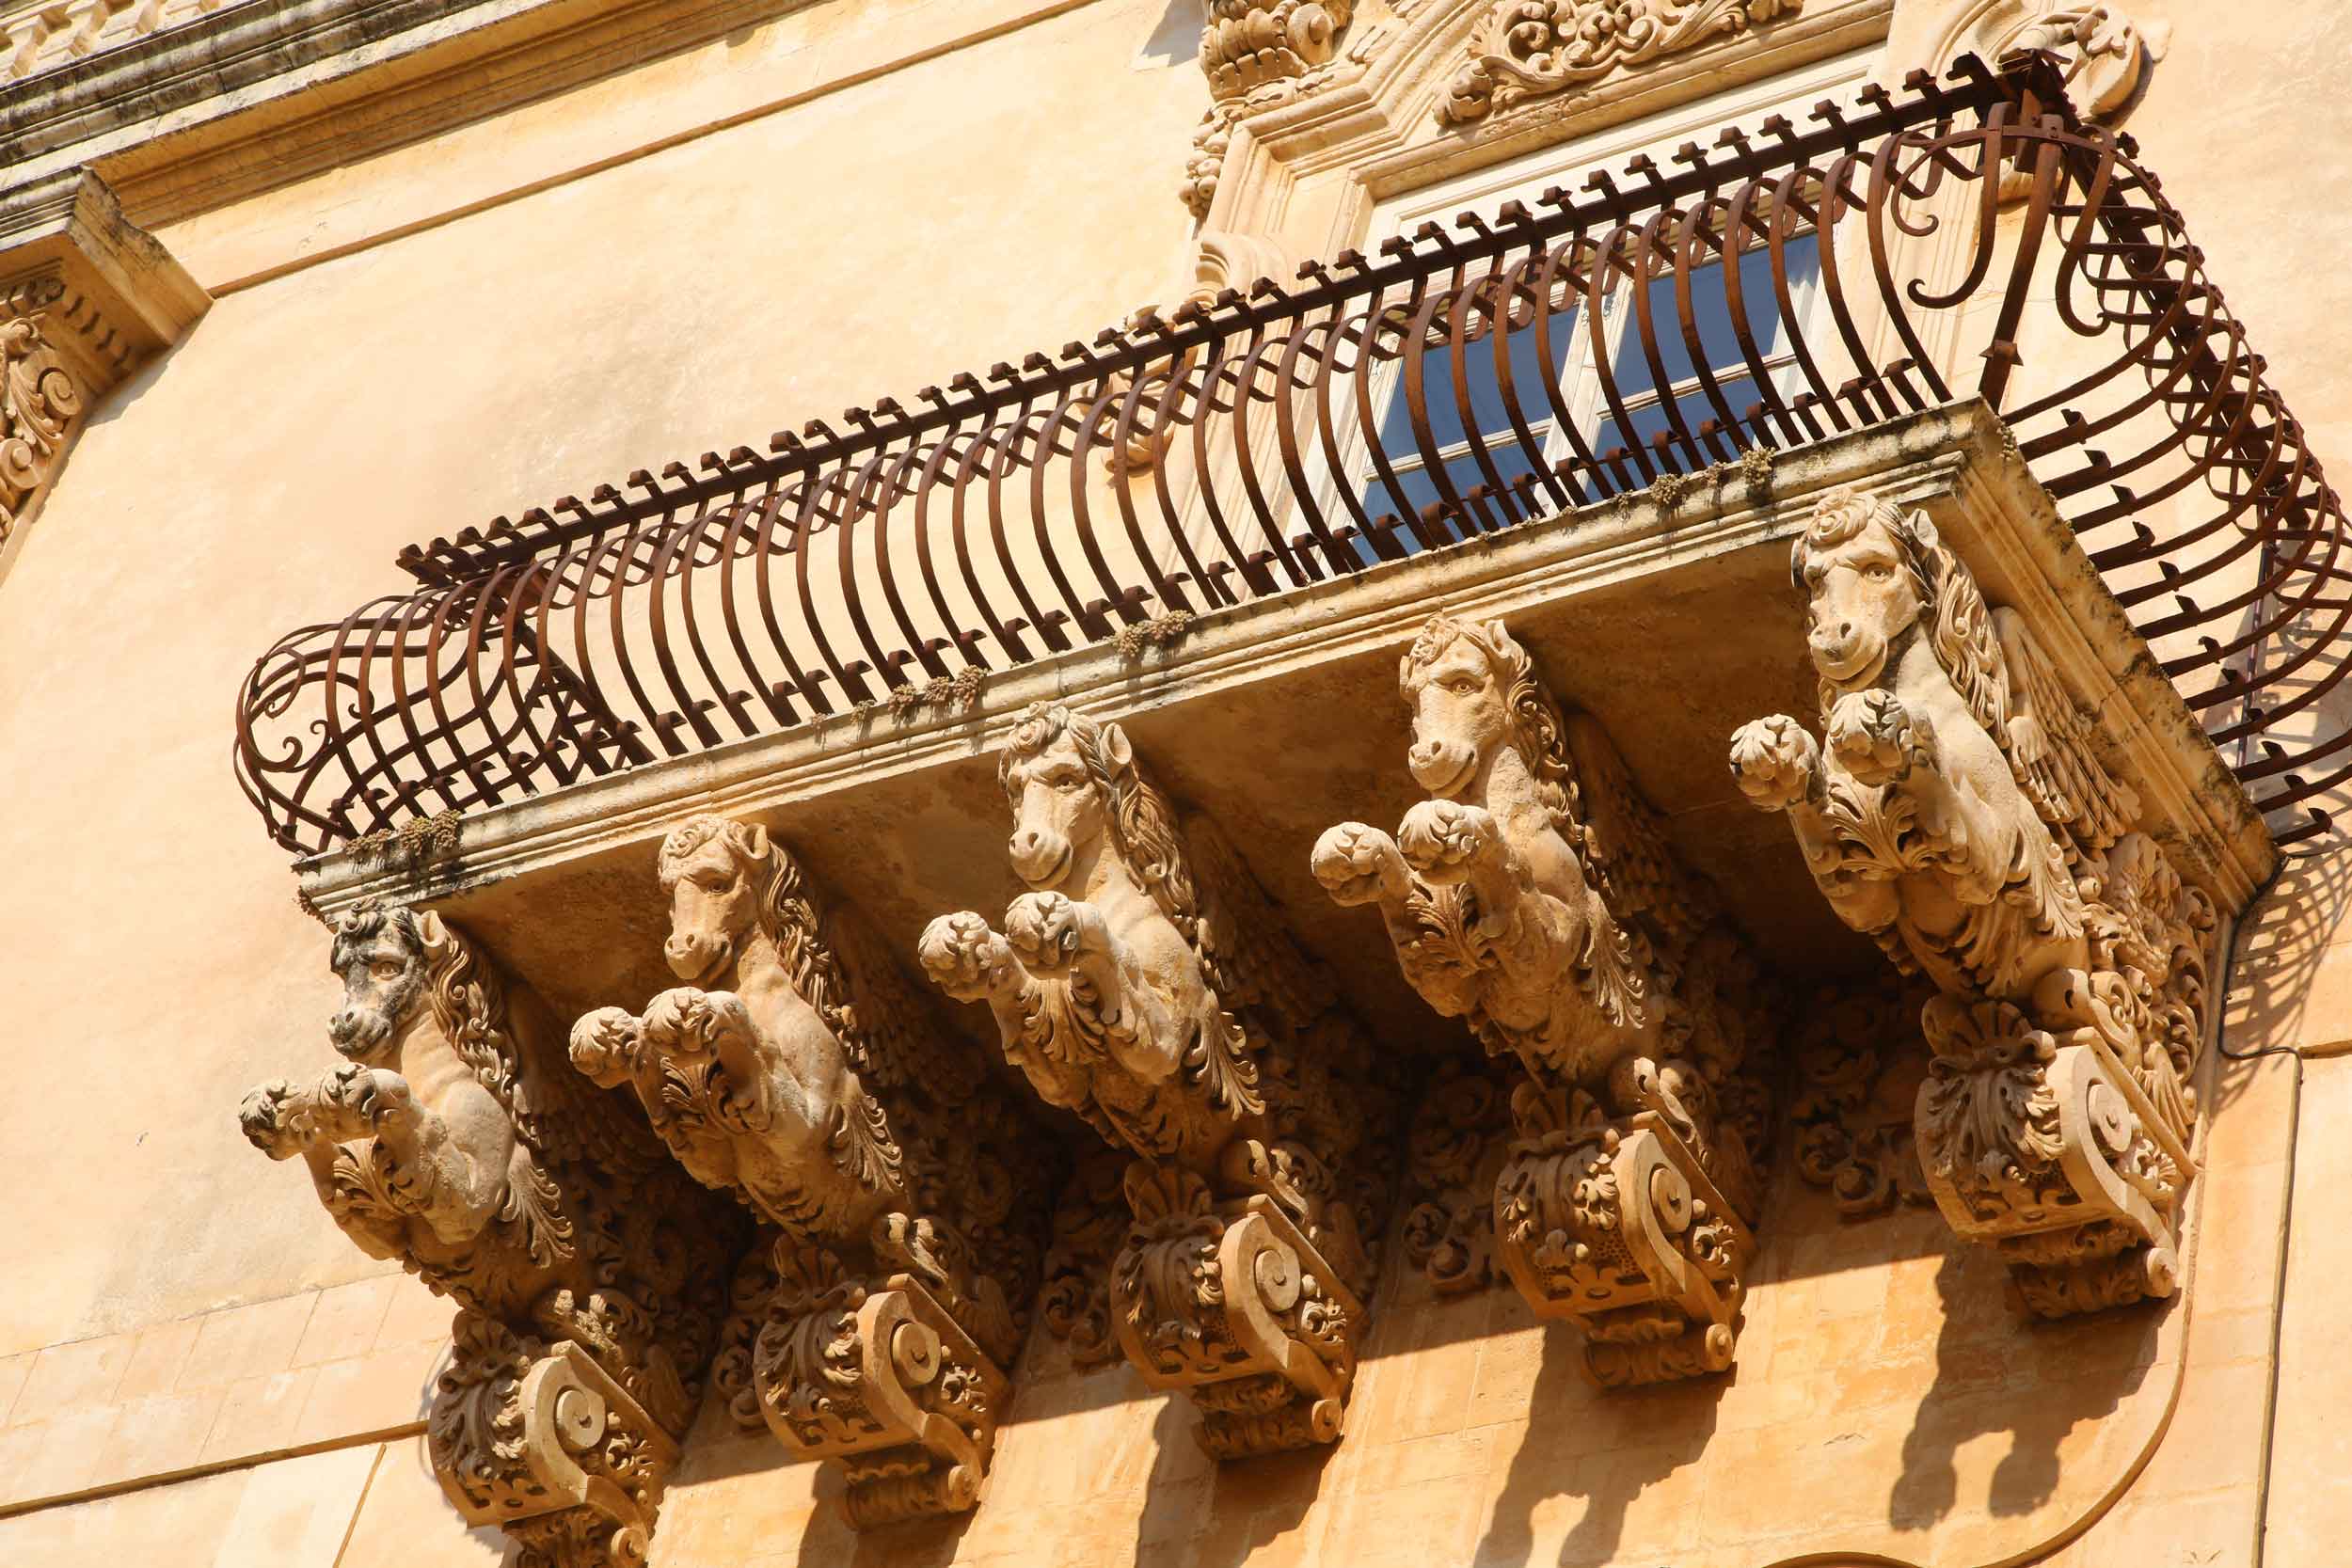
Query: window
{"type": "Point", "coordinates": [1474, 454]}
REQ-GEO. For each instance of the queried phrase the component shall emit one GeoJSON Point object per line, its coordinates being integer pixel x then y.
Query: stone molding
{"type": "Point", "coordinates": [86, 300]}
{"type": "Point", "coordinates": [1522, 51]}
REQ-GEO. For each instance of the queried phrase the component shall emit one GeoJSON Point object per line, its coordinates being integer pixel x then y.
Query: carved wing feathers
{"type": "Point", "coordinates": [1625, 843]}
{"type": "Point", "coordinates": [896, 1037]}
{"type": "Point", "coordinates": [1244, 945]}
{"type": "Point", "coordinates": [2050, 741]}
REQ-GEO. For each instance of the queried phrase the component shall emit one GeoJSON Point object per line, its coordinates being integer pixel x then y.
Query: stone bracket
{"type": "Point", "coordinates": [1242, 1312]}
{"type": "Point", "coordinates": [2052, 1154]}
{"type": "Point", "coordinates": [1618, 1228]}
{"type": "Point", "coordinates": [886, 1382]}
{"type": "Point", "coordinates": [583, 1478]}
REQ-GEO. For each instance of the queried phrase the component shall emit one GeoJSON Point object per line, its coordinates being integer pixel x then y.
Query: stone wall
{"type": "Point", "coordinates": [849, 199]}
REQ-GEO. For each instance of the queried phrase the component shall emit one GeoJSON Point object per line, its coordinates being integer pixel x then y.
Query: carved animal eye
{"type": "Point", "coordinates": [1462, 686]}
{"type": "Point", "coordinates": [1879, 571]}
{"type": "Point", "coordinates": [385, 969]}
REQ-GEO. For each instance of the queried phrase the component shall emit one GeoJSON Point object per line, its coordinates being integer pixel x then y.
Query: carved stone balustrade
{"type": "Point", "coordinates": [588, 1270]}
{"type": "Point", "coordinates": [798, 1072]}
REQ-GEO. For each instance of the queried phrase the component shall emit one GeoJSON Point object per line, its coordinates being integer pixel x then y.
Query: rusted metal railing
{"type": "Point", "coordinates": [1773, 290]}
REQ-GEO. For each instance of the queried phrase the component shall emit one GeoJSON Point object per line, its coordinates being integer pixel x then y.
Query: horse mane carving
{"type": "Point", "coordinates": [1143, 824]}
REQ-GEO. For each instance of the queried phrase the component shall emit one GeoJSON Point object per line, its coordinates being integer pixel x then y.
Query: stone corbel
{"type": "Point", "coordinates": [883, 1380]}
{"type": "Point", "coordinates": [2052, 1154]}
{"type": "Point", "coordinates": [1617, 1228]}
{"type": "Point", "coordinates": [86, 300]}
{"type": "Point", "coordinates": [1231, 1304]}
{"type": "Point", "coordinates": [540, 1441]}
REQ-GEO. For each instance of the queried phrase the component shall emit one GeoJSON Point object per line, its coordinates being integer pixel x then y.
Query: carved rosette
{"type": "Point", "coordinates": [885, 1380]}
{"type": "Point", "coordinates": [1846, 1048]}
{"type": "Point", "coordinates": [1527, 49]}
{"type": "Point", "coordinates": [540, 1441]}
{"type": "Point", "coordinates": [1618, 1227]}
{"type": "Point", "coordinates": [1233, 1305]}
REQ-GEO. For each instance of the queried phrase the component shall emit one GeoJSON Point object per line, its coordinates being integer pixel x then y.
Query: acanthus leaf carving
{"type": "Point", "coordinates": [456, 1139]}
{"type": "Point", "coordinates": [1959, 815]}
{"type": "Point", "coordinates": [799, 1071]}
{"type": "Point", "coordinates": [1145, 984]}
{"type": "Point", "coordinates": [1255, 53]}
{"type": "Point", "coordinates": [1535, 896]}
{"type": "Point", "coordinates": [1526, 49]}
{"type": "Point", "coordinates": [1846, 1047]}
{"type": "Point", "coordinates": [39, 405]}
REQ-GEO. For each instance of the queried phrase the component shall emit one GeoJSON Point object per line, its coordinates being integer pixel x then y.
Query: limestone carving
{"type": "Point", "coordinates": [807, 1080]}
{"type": "Point", "coordinates": [39, 406]}
{"type": "Point", "coordinates": [456, 1139]}
{"type": "Point", "coordinates": [2103, 52]}
{"type": "Point", "coordinates": [1146, 985]}
{"type": "Point", "coordinates": [1461, 1136]}
{"type": "Point", "coordinates": [1535, 895]}
{"type": "Point", "coordinates": [1526, 49]}
{"type": "Point", "coordinates": [1960, 815]}
{"type": "Point", "coordinates": [1846, 1047]}
{"type": "Point", "coordinates": [1255, 53]}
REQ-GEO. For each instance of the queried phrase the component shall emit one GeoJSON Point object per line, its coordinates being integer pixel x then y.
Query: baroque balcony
{"type": "Point", "coordinates": [1187, 555]}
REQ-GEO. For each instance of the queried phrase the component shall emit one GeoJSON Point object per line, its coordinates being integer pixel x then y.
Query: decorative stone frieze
{"type": "Point", "coordinates": [85, 300]}
{"type": "Point", "coordinates": [1147, 984]}
{"type": "Point", "coordinates": [1461, 1136]}
{"type": "Point", "coordinates": [456, 1139]}
{"type": "Point", "coordinates": [1535, 896]}
{"type": "Point", "coordinates": [1961, 815]}
{"type": "Point", "coordinates": [1255, 53]}
{"type": "Point", "coordinates": [800, 1072]}
{"type": "Point", "coordinates": [1526, 49]}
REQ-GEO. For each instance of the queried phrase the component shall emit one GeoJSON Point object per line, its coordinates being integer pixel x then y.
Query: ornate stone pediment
{"type": "Point", "coordinates": [1146, 985]}
{"type": "Point", "coordinates": [456, 1139]}
{"type": "Point", "coordinates": [799, 1072]}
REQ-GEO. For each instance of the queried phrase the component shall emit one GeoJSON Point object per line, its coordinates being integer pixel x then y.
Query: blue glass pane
{"type": "Point", "coordinates": [1477, 376]}
{"type": "Point", "coordinates": [1739, 396]}
{"type": "Point", "coordinates": [1710, 314]}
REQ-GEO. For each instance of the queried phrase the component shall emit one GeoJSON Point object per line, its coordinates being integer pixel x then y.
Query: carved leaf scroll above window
{"type": "Point", "coordinates": [1528, 49]}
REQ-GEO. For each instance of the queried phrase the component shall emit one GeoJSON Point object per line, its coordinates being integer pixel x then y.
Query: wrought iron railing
{"type": "Point", "coordinates": [1773, 290]}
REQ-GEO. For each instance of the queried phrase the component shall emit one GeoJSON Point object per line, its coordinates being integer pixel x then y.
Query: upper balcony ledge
{"type": "Point", "coordinates": [1668, 615]}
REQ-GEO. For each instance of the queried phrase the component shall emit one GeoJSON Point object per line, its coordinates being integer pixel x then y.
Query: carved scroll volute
{"type": "Point", "coordinates": [798, 1070]}
{"type": "Point", "coordinates": [540, 1441]}
{"type": "Point", "coordinates": [1535, 896]}
{"type": "Point", "coordinates": [1239, 1310]}
{"type": "Point", "coordinates": [1961, 815]}
{"type": "Point", "coordinates": [1146, 985]}
{"type": "Point", "coordinates": [1617, 1228]}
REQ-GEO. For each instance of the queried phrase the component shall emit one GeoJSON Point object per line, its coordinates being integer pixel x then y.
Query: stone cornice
{"type": "Point", "coordinates": [248, 97]}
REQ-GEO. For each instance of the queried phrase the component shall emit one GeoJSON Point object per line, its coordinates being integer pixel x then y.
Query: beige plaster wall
{"type": "Point", "coordinates": [267, 470]}
{"type": "Point", "coordinates": [862, 198]}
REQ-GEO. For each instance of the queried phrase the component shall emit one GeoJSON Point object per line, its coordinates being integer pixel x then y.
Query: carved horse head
{"type": "Point", "coordinates": [1075, 795]}
{"type": "Point", "coordinates": [381, 953]}
{"type": "Point", "coordinates": [1873, 578]}
{"type": "Point", "coordinates": [1475, 693]}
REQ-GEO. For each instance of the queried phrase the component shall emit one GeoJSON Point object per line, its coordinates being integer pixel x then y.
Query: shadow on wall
{"type": "Point", "coordinates": [1609, 1481]}
{"type": "Point", "coordinates": [2001, 1374]}
{"type": "Point", "coordinates": [2279, 953]}
{"type": "Point", "coordinates": [1175, 38]}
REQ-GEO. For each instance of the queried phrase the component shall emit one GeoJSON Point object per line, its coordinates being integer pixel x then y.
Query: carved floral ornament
{"type": "Point", "coordinates": [39, 404]}
{"type": "Point", "coordinates": [2104, 54]}
{"type": "Point", "coordinates": [1526, 49]}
